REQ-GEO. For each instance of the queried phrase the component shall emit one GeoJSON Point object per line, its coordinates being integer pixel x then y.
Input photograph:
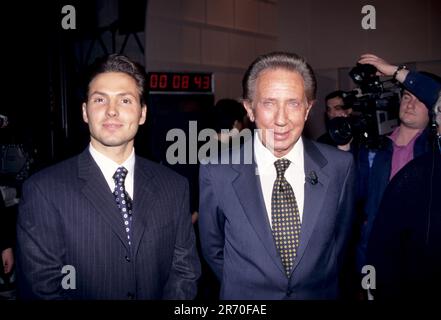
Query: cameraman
{"type": "Point", "coordinates": [335, 107]}
{"type": "Point", "coordinates": [421, 85]}
{"type": "Point", "coordinates": [408, 141]}
{"type": "Point", "coordinates": [405, 242]}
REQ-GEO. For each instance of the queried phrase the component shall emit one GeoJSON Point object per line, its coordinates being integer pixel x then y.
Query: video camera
{"type": "Point", "coordinates": [375, 106]}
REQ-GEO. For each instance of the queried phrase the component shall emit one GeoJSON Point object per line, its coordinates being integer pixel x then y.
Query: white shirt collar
{"type": "Point", "coordinates": [265, 158]}
{"type": "Point", "coordinates": [295, 174]}
{"type": "Point", "coordinates": [108, 168]}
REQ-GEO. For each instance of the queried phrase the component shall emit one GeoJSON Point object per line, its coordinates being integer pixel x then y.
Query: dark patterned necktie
{"type": "Point", "coordinates": [285, 217]}
{"type": "Point", "coordinates": [123, 200]}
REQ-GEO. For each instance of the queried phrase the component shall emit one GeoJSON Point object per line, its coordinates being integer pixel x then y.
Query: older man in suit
{"type": "Point", "coordinates": [107, 224]}
{"type": "Point", "coordinates": [276, 228]}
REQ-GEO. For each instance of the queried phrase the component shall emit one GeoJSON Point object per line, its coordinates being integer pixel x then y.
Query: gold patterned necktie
{"type": "Point", "coordinates": [285, 217]}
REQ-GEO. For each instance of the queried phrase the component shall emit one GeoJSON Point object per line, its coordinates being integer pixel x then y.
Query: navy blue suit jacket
{"type": "Point", "coordinates": [237, 240]}
{"type": "Point", "coordinates": [68, 216]}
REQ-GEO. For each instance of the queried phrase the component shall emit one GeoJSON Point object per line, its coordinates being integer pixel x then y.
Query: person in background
{"type": "Point", "coordinates": [423, 85]}
{"type": "Point", "coordinates": [408, 141]}
{"type": "Point", "coordinates": [228, 115]}
{"type": "Point", "coordinates": [405, 242]}
{"type": "Point", "coordinates": [335, 107]}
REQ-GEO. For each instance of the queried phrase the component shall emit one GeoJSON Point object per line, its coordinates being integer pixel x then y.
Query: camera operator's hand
{"type": "Point", "coordinates": [384, 68]}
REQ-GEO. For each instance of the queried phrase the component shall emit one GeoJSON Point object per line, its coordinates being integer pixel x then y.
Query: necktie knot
{"type": "Point", "coordinates": [120, 175]}
{"type": "Point", "coordinates": [281, 166]}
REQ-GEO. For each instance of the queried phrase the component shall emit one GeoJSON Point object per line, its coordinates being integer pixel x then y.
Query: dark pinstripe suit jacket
{"type": "Point", "coordinates": [68, 216]}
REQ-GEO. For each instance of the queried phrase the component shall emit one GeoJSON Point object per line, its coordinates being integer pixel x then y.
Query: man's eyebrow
{"type": "Point", "coordinates": [118, 94]}
{"type": "Point", "coordinates": [98, 92]}
{"type": "Point", "coordinates": [126, 93]}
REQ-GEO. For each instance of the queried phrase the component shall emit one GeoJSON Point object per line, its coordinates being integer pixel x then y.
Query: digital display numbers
{"type": "Point", "coordinates": [180, 82]}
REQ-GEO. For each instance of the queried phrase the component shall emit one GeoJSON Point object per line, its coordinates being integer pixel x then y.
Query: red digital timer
{"type": "Point", "coordinates": [180, 82]}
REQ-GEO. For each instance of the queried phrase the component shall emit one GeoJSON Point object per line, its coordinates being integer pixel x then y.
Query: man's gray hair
{"type": "Point", "coordinates": [279, 60]}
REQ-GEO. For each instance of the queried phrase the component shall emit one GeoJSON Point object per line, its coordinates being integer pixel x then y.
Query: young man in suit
{"type": "Point", "coordinates": [276, 228]}
{"type": "Point", "coordinates": [107, 224]}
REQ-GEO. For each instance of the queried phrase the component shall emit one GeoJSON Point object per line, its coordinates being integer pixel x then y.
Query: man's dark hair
{"type": "Point", "coordinates": [117, 63]}
{"type": "Point", "coordinates": [334, 94]}
{"type": "Point", "coordinates": [225, 113]}
{"type": "Point", "coordinates": [279, 60]}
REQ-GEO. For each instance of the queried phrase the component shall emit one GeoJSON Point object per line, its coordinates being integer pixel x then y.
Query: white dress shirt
{"type": "Point", "coordinates": [108, 168]}
{"type": "Point", "coordinates": [295, 174]}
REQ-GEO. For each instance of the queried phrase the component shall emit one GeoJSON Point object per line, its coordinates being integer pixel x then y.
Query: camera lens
{"type": "Point", "coordinates": [340, 130]}
{"type": "Point", "coordinates": [363, 73]}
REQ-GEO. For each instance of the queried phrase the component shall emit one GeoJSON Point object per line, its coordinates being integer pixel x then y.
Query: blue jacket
{"type": "Point", "coordinates": [237, 240]}
{"type": "Point", "coordinates": [377, 181]}
{"type": "Point", "coordinates": [405, 241]}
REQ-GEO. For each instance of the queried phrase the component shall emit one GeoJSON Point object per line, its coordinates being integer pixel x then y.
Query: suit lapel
{"type": "Point", "coordinates": [144, 201]}
{"type": "Point", "coordinates": [247, 188]}
{"type": "Point", "coordinates": [97, 191]}
{"type": "Point", "coordinates": [314, 195]}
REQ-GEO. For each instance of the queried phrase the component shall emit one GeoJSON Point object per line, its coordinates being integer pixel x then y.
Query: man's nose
{"type": "Point", "coordinates": [412, 103]}
{"type": "Point", "coordinates": [112, 109]}
{"type": "Point", "coordinates": [281, 116]}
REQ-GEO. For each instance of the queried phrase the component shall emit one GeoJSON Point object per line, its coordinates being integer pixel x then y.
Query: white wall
{"type": "Point", "coordinates": [224, 36]}
{"type": "Point", "coordinates": [221, 36]}
{"type": "Point", "coordinates": [330, 36]}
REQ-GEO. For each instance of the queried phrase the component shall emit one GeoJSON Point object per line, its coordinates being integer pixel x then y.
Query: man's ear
{"type": "Point", "coordinates": [143, 114]}
{"type": "Point", "coordinates": [84, 111]}
{"type": "Point", "coordinates": [249, 108]}
{"type": "Point", "coordinates": [308, 108]}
